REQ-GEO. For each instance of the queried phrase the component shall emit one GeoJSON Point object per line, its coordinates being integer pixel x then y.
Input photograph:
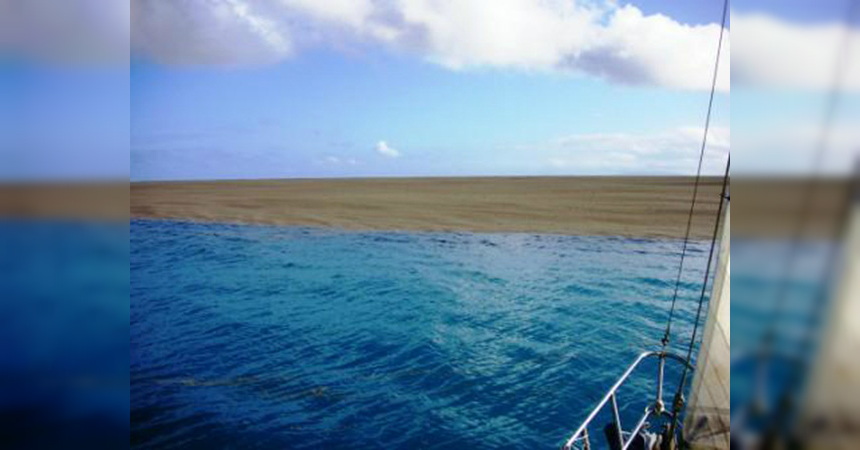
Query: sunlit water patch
{"type": "Point", "coordinates": [279, 337]}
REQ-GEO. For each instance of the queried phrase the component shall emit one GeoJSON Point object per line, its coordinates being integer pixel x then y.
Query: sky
{"type": "Point", "coordinates": [326, 115]}
{"type": "Point", "coordinates": [355, 88]}
{"type": "Point", "coordinates": [225, 89]}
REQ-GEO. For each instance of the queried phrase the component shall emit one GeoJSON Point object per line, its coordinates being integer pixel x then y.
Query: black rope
{"type": "Point", "coordinates": [678, 402]}
{"type": "Point", "coordinates": [668, 331]}
{"type": "Point", "coordinates": [704, 292]}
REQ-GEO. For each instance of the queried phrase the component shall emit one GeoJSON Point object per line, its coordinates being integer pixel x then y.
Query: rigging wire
{"type": "Point", "coordinates": [703, 294]}
{"type": "Point", "coordinates": [678, 401]}
{"type": "Point", "coordinates": [668, 331]}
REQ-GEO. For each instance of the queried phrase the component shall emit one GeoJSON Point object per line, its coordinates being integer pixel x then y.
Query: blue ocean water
{"type": "Point", "coordinates": [249, 336]}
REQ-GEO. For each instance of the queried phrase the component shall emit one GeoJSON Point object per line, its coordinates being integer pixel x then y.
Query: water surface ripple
{"type": "Point", "coordinates": [278, 337]}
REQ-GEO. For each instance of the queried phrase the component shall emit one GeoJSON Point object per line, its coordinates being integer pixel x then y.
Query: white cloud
{"type": "Point", "coordinates": [353, 13]}
{"type": "Point", "coordinates": [384, 149]}
{"type": "Point", "coordinates": [337, 160]}
{"type": "Point", "coordinates": [596, 38]}
{"type": "Point", "coordinates": [228, 32]}
{"type": "Point", "coordinates": [517, 33]}
{"type": "Point", "coordinates": [777, 53]}
{"type": "Point", "coordinates": [638, 49]}
{"type": "Point", "coordinates": [671, 152]}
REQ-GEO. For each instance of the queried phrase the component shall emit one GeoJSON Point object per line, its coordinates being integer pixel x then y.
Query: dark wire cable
{"type": "Point", "coordinates": [704, 292]}
{"type": "Point", "coordinates": [668, 331]}
{"type": "Point", "coordinates": [677, 404]}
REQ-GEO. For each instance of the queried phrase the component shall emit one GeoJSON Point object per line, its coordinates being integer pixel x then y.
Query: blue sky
{"type": "Point", "coordinates": [324, 113]}
{"type": "Point", "coordinates": [328, 108]}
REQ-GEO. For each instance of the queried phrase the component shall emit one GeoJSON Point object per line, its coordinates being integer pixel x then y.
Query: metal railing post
{"type": "Point", "coordinates": [659, 405]}
{"type": "Point", "coordinates": [582, 432]}
{"type": "Point", "coordinates": [617, 420]}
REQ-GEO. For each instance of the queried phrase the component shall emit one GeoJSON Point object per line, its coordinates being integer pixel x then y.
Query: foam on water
{"type": "Point", "coordinates": [278, 337]}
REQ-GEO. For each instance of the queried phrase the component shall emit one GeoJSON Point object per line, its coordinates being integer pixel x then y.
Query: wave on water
{"type": "Point", "coordinates": [277, 337]}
